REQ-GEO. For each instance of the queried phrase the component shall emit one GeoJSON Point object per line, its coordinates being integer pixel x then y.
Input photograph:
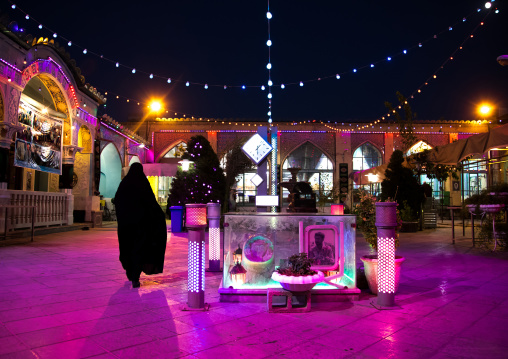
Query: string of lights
{"type": "Point", "coordinates": [269, 66]}
{"type": "Point", "coordinates": [206, 85]}
{"type": "Point", "coordinates": [418, 90]}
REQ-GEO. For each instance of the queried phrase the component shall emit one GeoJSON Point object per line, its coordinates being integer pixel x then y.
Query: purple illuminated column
{"type": "Point", "coordinates": [386, 223]}
{"type": "Point", "coordinates": [196, 223]}
{"type": "Point", "coordinates": [213, 237]}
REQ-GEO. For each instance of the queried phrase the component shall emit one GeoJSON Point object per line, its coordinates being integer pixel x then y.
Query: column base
{"type": "Point", "coordinates": [196, 300]}
{"type": "Point", "coordinates": [214, 266]}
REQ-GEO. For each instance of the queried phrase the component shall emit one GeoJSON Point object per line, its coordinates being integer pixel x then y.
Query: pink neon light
{"type": "Point", "coordinates": [386, 265]}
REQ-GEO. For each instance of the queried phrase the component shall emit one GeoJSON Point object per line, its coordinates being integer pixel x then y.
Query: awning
{"type": "Point", "coordinates": [455, 152]}
{"type": "Point", "coordinates": [156, 169]}
{"type": "Point", "coordinates": [373, 175]}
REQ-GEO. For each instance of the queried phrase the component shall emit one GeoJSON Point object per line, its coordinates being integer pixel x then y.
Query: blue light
{"type": "Point", "coordinates": [263, 87]}
{"type": "Point", "coordinates": [269, 113]}
{"type": "Point", "coordinates": [40, 26]}
{"type": "Point", "coordinates": [450, 28]}
{"type": "Point", "coordinates": [55, 35]}
{"type": "Point", "coordinates": [269, 95]}
{"type": "Point", "coordinates": [117, 64]}
{"type": "Point", "coordinates": [151, 76]}
{"type": "Point", "coordinates": [69, 43]}
{"type": "Point", "coordinates": [225, 87]}
{"type": "Point", "coordinates": [169, 80]}
{"type": "Point", "coordinates": [371, 65]}
{"type": "Point", "coordinates": [301, 83]}
{"type": "Point", "coordinates": [85, 51]}
{"type": "Point", "coordinates": [420, 44]}
{"type": "Point", "coordinates": [389, 58]}
{"type": "Point", "coordinates": [13, 6]}
{"type": "Point", "coordinates": [270, 83]}
{"type": "Point", "coordinates": [269, 43]}
{"type": "Point", "coordinates": [269, 120]}
{"type": "Point", "coordinates": [268, 15]}
{"type": "Point", "coordinates": [206, 86]}
{"type": "Point", "coordinates": [464, 20]}
{"type": "Point", "coordinates": [354, 70]}
{"type": "Point", "coordinates": [268, 66]}
{"type": "Point", "coordinates": [243, 87]}
{"type": "Point", "coordinates": [187, 84]}
{"type": "Point", "coordinates": [405, 51]}
{"type": "Point", "coordinates": [133, 71]}
{"type": "Point", "coordinates": [337, 76]}
{"type": "Point", "coordinates": [27, 16]}
{"type": "Point", "coordinates": [282, 86]}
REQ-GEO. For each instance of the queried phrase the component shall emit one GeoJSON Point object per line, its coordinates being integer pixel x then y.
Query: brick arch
{"type": "Point", "coordinates": [331, 158]}
{"type": "Point", "coordinates": [167, 148]}
{"type": "Point", "coordinates": [370, 143]}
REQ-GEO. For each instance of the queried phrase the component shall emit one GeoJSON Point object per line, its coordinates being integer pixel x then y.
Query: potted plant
{"type": "Point", "coordinates": [409, 221]}
{"type": "Point", "coordinates": [296, 275]}
{"type": "Point", "coordinates": [366, 222]}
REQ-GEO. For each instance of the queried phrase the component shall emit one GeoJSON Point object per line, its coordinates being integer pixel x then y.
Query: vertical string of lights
{"type": "Point", "coordinates": [273, 131]}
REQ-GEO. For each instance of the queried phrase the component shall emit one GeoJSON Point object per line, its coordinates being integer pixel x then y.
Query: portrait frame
{"type": "Point", "coordinates": [332, 239]}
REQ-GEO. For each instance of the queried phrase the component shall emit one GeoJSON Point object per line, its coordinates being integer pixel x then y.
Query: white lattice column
{"type": "Point", "coordinates": [196, 223]}
{"type": "Point", "coordinates": [273, 166]}
{"type": "Point", "coordinates": [386, 223]}
{"type": "Point", "coordinates": [213, 237]}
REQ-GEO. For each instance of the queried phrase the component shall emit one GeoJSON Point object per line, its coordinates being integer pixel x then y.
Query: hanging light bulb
{"type": "Point", "coordinates": [269, 43]}
{"type": "Point", "coordinates": [282, 86]}
{"type": "Point", "coordinates": [27, 16]}
{"type": "Point", "coordinates": [268, 15]}
{"type": "Point", "coordinates": [40, 26]}
{"type": "Point", "coordinates": [269, 120]}
{"type": "Point", "coordinates": [133, 71]}
{"type": "Point", "coordinates": [269, 113]}
{"type": "Point", "coordinates": [301, 83]}
{"type": "Point", "coordinates": [371, 65]}
{"type": "Point", "coordinates": [269, 66]}
{"type": "Point", "coordinates": [354, 70]}
{"type": "Point", "coordinates": [488, 5]}
{"type": "Point", "coordinates": [270, 83]}
{"type": "Point", "coordinates": [225, 87]}
{"type": "Point", "coordinates": [187, 84]}
{"type": "Point", "coordinates": [169, 80]}
{"type": "Point", "coordinates": [389, 58]}
{"type": "Point", "coordinates": [337, 76]}
{"type": "Point", "coordinates": [13, 6]}
{"type": "Point", "coordinates": [206, 86]}
{"type": "Point", "coordinates": [85, 51]}
{"type": "Point", "coordinates": [263, 87]}
{"type": "Point", "coordinates": [117, 64]}
{"type": "Point", "coordinates": [69, 43]}
{"type": "Point", "coordinates": [55, 35]}
{"type": "Point", "coordinates": [151, 76]}
{"type": "Point", "coordinates": [269, 95]}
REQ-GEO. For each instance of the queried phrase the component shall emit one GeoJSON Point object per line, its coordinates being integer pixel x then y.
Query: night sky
{"type": "Point", "coordinates": [224, 43]}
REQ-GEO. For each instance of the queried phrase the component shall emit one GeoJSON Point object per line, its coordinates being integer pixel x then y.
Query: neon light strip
{"type": "Point", "coordinates": [11, 65]}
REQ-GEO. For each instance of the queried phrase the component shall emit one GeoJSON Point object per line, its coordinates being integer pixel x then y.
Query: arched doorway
{"type": "Point", "coordinates": [316, 168]}
{"type": "Point", "coordinates": [83, 164]}
{"type": "Point", "coordinates": [365, 157]}
{"type": "Point", "coordinates": [111, 171]}
{"type": "Point", "coordinates": [44, 115]}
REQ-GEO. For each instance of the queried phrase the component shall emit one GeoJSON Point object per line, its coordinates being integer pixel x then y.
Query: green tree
{"type": "Point", "coordinates": [203, 183]}
{"type": "Point", "coordinates": [400, 184]}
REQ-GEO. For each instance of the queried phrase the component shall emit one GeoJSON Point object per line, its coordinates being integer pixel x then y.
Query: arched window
{"type": "Point", "coordinates": [177, 151]}
{"type": "Point", "coordinates": [316, 168]}
{"type": "Point", "coordinates": [366, 156]}
{"type": "Point", "coordinates": [418, 147]}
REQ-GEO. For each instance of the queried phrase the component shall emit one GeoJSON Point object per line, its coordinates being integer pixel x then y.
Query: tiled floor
{"type": "Point", "coordinates": [66, 296]}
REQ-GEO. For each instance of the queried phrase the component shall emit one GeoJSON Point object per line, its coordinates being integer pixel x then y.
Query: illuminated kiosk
{"type": "Point", "coordinates": [264, 239]}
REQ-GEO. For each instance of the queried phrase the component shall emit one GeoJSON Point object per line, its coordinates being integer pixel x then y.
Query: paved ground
{"type": "Point", "coordinates": [65, 296]}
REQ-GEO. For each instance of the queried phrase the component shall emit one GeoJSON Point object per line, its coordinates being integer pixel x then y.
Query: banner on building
{"type": "Point", "coordinates": [39, 143]}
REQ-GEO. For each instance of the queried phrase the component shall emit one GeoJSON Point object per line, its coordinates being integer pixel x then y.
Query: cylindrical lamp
{"type": "Point", "coordinates": [213, 237]}
{"type": "Point", "coordinates": [337, 209]}
{"type": "Point", "coordinates": [196, 223]}
{"type": "Point", "coordinates": [386, 223]}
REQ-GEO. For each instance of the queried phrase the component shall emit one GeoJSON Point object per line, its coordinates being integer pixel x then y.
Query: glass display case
{"type": "Point", "coordinates": [255, 244]}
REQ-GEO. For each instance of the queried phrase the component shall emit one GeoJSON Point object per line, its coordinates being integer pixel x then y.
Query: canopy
{"type": "Point", "coordinates": [156, 169]}
{"type": "Point", "coordinates": [455, 152]}
{"type": "Point", "coordinates": [374, 174]}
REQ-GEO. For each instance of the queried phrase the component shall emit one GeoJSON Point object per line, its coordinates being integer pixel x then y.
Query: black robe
{"type": "Point", "coordinates": [142, 233]}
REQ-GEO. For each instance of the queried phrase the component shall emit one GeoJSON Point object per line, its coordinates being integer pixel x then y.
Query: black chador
{"type": "Point", "coordinates": [142, 233]}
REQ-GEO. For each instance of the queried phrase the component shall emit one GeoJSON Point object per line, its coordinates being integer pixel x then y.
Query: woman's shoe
{"type": "Point", "coordinates": [135, 284]}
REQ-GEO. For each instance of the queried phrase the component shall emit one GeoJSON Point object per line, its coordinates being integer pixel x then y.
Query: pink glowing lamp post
{"type": "Point", "coordinates": [213, 237]}
{"type": "Point", "coordinates": [337, 209]}
{"type": "Point", "coordinates": [386, 223]}
{"type": "Point", "coordinates": [196, 223]}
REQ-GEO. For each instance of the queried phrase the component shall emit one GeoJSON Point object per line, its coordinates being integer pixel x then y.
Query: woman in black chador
{"type": "Point", "coordinates": [142, 232]}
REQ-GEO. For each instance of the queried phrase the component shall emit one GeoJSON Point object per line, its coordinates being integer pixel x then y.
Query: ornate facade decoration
{"type": "Point", "coordinates": [162, 140]}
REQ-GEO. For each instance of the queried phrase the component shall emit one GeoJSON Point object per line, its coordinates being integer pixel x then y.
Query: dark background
{"type": "Point", "coordinates": [223, 43]}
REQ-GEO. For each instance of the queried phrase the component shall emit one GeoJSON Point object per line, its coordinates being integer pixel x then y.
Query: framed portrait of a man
{"type": "Point", "coordinates": [323, 245]}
